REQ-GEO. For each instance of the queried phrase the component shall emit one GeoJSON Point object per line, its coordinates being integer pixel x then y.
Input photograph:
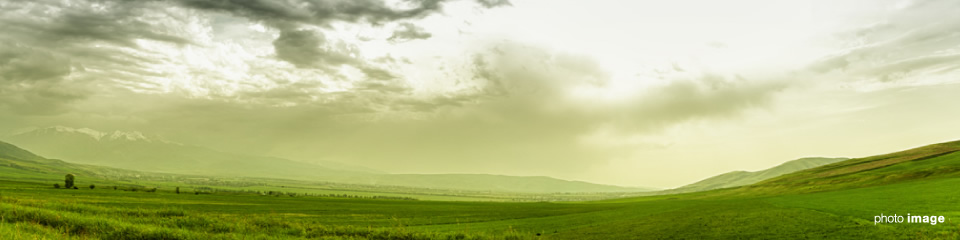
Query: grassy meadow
{"type": "Point", "coordinates": [31, 211]}
{"type": "Point", "coordinates": [832, 201]}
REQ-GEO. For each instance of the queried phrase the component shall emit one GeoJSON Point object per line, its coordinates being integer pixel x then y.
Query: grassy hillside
{"type": "Point", "coordinates": [9, 151]}
{"type": "Point", "coordinates": [16, 162]}
{"type": "Point", "coordinates": [741, 178]}
{"type": "Point", "coordinates": [922, 163]}
{"type": "Point", "coordinates": [33, 210]}
{"type": "Point", "coordinates": [827, 202]}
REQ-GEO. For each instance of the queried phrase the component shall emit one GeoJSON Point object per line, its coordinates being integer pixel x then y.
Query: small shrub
{"type": "Point", "coordinates": [92, 186]}
{"type": "Point", "coordinates": [75, 187]}
{"type": "Point", "coordinates": [177, 190]}
{"type": "Point", "coordinates": [56, 185]}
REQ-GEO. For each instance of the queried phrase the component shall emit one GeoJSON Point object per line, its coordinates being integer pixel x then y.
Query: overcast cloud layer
{"type": "Point", "coordinates": [627, 93]}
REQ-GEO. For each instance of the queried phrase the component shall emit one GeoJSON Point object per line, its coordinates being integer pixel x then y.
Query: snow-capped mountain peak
{"type": "Point", "coordinates": [129, 136]}
{"type": "Point", "coordinates": [65, 130]}
{"type": "Point", "coordinates": [98, 135]}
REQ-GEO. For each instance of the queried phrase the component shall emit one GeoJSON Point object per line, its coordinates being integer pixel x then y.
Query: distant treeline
{"type": "Point", "coordinates": [278, 193]}
{"type": "Point", "coordinates": [208, 190]}
{"type": "Point", "coordinates": [370, 190]}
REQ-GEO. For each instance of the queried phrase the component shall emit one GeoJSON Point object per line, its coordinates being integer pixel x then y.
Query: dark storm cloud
{"type": "Point", "coordinates": [116, 26]}
{"type": "Point", "coordinates": [80, 23]}
{"type": "Point", "coordinates": [31, 80]}
{"type": "Point", "coordinates": [322, 12]}
{"type": "Point", "coordinates": [317, 12]}
{"type": "Point", "coordinates": [42, 98]}
{"type": "Point", "coordinates": [45, 44]}
{"type": "Point", "coordinates": [306, 48]}
{"type": "Point", "coordinates": [377, 73]}
{"type": "Point", "coordinates": [101, 38]}
{"type": "Point", "coordinates": [310, 49]}
{"type": "Point", "coordinates": [494, 3]}
{"type": "Point", "coordinates": [20, 63]}
{"type": "Point", "coordinates": [408, 31]}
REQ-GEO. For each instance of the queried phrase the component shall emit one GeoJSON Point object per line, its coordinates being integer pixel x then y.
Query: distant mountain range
{"type": "Point", "coordinates": [137, 151]}
{"type": "Point", "coordinates": [20, 164]}
{"type": "Point", "coordinates": [742, 178]}
{"type": "Point", "coordinates": [148, 153]}
{"type": "Point", "coordinates": [490, 182]}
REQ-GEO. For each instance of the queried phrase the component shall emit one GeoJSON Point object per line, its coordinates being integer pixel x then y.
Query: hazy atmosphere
{"type": "Point", "coordinates": [654, 95]}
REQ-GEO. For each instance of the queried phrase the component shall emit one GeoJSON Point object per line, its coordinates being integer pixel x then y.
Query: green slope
{"type": "Point", "coordinates": [18, 163]}
{"type": "Point", "coordinates": [922, 163]}
{"type": "Point", "coordinates": [741, 178]}
{"type": "Point", "coordinates": [9, 151]}
{"type": "Point", "coordinates": [919, 181]}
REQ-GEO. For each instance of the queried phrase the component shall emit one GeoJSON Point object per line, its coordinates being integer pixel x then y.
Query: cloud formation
{"type": "Point", "coordinates": [408, 31]}
{"type": "Point", "coordinates": [545, 82]}
{"type": "Point", "coordinates": [317, 12]}
{"type": "Point", "coordinates": [135, 45]}
{"type": "Point", "coordinates": [25, 64]}
{"type": "Point", "coordinates": [454, 86]}
{"type": "Point", "coordinates": [917, 41]}
{"type": "Point", "coordinates": [305, 48]}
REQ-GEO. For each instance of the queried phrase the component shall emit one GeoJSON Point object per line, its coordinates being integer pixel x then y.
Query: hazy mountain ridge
{"type": "Point", "coordinates": [96, 135]}
{"type": "Point", "coordinates": [137, 151]}
{"type": "Point", "coordinates": [142, 152]}
{"type": "Point", "coordinates": [491, 182]}
{"type": "Point", "coordinates": [742, 178]}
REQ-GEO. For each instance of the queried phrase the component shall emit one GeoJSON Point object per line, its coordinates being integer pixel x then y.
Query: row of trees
{"type": "Point", "coordinates": [69, 183]}
{"type": "Point", "coordinates": [276, 193]}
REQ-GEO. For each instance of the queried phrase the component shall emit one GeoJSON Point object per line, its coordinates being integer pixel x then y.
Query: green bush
{"type": "Point", "coordinates": [68, 181]}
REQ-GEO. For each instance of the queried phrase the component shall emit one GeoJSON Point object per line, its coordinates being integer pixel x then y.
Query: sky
{"type": "Point", "coordinates": [631, 93]}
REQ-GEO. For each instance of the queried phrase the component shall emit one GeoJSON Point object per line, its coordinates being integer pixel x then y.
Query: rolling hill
{"type": "Point", "coordinates": [927, 162]}
{"type": "Point", "coordinates": [16, 162]}
{"type": "Point", "coordinates": [9, 151]}
{"type": "Point", "coordinates": [489, 182]}
{"type": "Point", "coordinates": [741, 178]}
{"type": "Point", "coordinates": [140, 152]}
{"type": "Point", "coordinates": [136, 151]}
{"type": "Point", "coordinates": [833, 201]}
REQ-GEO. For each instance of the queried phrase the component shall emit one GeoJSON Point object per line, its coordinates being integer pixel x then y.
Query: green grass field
{"type": "Point", "coordinates": [33, 211]}
{"type": "Point", "coordinates": [833, 201]}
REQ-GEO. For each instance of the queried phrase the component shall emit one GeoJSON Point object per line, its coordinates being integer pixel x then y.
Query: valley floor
{"type": "Point", "coordinates": [30, 210]}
